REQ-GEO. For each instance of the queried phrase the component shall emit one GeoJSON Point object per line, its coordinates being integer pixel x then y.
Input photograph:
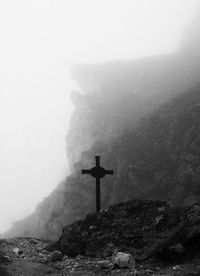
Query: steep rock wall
{"type": "Point", "coordinates": [117, 95]}
{"type": "Point", "coordinates": [128, 113]}
{"type": "Point", "coordinates": [155, 156]}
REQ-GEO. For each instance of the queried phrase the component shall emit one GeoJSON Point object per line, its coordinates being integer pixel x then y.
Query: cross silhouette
{"type": "Point", "coordinates": [97, 172]}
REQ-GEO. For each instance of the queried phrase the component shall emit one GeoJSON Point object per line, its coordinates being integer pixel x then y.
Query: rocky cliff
{"type": "Point", "coordinates": [117, 95]}
{"type": "Point", "coordinates": [142, 117]}
{"type": "Point", "coordinates": [152, 146]}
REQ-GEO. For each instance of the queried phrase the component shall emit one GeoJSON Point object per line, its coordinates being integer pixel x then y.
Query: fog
{"type": "Point", "coordinates": [40, 41]}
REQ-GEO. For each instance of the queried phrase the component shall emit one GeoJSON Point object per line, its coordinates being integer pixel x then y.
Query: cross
{"type": "Point", "coordinates": [97, 172]}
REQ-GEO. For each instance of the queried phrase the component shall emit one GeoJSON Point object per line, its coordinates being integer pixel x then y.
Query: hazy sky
{"type": "Point", "coordinates": [39, 41]}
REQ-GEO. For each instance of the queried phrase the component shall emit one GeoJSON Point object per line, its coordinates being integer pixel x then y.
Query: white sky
{"type": "Point", "coordinates": [39, 41]}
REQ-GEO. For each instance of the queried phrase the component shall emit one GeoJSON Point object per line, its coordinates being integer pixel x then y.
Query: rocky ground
{"type": "Point", "coordinates": [27, 257]}
{"type": "Point", "coordinates": [160, 240]}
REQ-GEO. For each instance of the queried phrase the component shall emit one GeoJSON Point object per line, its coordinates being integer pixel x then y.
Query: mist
{"type": "Point", "coordinates": [40, 41]}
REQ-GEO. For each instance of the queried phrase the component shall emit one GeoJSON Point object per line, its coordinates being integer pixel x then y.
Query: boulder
{"type": "Point", "coordinates": [56, 256]}
{"type": "Point", "coordinates": [123, 260]}
{"type": "Point", "coordinates": [17, 251]}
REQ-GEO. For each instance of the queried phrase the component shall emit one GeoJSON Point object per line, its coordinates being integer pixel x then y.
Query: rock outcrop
{"type": "Point", "coordinates": [146, 229]}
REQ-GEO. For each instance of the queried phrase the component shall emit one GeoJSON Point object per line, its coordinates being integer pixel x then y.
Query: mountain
{"type": "Point", "coordinates": [142, 118]}
{"type": "Point", "coordinates": [157, 157]}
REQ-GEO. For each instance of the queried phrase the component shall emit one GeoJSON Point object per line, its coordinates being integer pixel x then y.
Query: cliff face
{"type": "Point", "coordinates": [142, 117]}
{"type": "Point", "coordinates": [117, 95]}
{"type": "Point", "coordinates": [147, 133]}
{"type": "Point", "coordinates": [160, 157]}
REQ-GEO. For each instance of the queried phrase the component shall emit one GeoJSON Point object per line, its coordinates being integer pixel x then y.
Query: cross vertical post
{"type": "Point", "coordinates": [98, 193]}
{"type": "Point", "coordinates": [97, 172]}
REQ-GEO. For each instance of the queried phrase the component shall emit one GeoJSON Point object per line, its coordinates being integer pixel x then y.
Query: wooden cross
{"type": "Point", "coordinates": [97, 172]}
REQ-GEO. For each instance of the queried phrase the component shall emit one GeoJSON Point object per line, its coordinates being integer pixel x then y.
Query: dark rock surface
{"type": "Point", "coordinates": [146, 229]}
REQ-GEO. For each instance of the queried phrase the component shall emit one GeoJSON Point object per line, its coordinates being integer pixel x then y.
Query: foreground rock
{"type": "Point", "coordinates": [123, 260]}
{"type": "Point", "coordinates": [149, 230]}
{"type": "Point", "coordinates": [55, 256]}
